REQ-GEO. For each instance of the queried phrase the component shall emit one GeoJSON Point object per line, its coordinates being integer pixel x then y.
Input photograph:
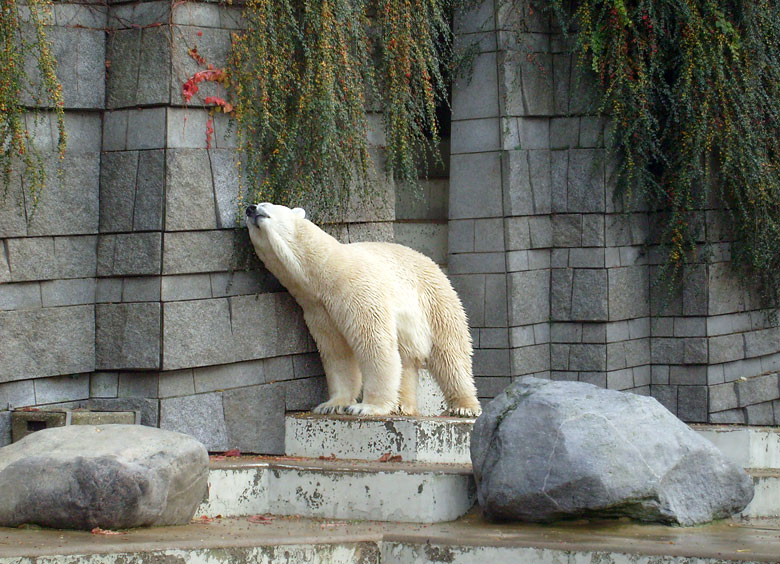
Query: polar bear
{"type": "Point", "coordinates": [377, 311]}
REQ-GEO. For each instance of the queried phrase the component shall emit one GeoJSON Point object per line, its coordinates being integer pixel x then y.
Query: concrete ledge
{"type": "Point", "coordinates": [415, 439]}
{"type": "Point", "coordinates": [385, 491]}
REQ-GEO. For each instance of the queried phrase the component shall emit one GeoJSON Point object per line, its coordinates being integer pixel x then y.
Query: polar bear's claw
{"type": "Point", "coordinates": [465, 412]}
{"type": "Point", "coordinates": [331, 406]}
{"type": "Point", "coordinates": [366, 409]}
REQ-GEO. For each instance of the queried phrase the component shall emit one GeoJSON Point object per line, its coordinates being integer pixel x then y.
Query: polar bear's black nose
{"type": "Point", "coordinates": [251, 209]}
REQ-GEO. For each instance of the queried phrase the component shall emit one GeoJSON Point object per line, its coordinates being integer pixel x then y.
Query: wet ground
{"type": "Point", "coordinates": [726, 540]}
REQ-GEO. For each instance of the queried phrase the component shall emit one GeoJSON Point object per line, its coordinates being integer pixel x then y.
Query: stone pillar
{"type": "Point", "coordinates": [477, 254]}
{"type": "Point", "coordinates": [571, 265]}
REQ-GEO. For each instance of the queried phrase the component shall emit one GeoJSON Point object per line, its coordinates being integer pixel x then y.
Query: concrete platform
{"type": "Point", "coordinates": [749, 447]}
{"type": "Point", "coordinates": [468, 540]}
{"type": "Point", "coordinates": [415, 439]}
{"type": "Point", "coordinates": [341, 489]}
{"type": "Point", "coordinates": [766, 500]}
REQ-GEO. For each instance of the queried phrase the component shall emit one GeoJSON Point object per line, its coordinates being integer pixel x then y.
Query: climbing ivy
{"type": "Point", "coordinates": [22, 31]}
{"type": "Point", "coordinates": [693, 92]}
{"type": "Point", "coordinates": [306, 72]}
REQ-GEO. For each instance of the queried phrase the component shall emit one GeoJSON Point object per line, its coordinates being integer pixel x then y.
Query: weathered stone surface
{"type": "Point", "coordinates": [139, 73]}
{"type": "Point", "coordinates": [22, 295]}
{"type": "Point", "coordinates": [46, 342]}
{"type": "Point", "coordinates": [148, 408]}
{"type": "Point", "coordinates": [253, 415]}
{"type": "Point", "coordinates": [149, 198]}
{"type": "Point", "coordinates": [80, 56]}
{"type": "Point", "coordinates": [476, 96]}
{"type": "Point", "coordinates": [528, 188]}
{"type": "Point", "coordinates": [189, 194]}
{"type": "Point", "coordinates": [544, 450]}
{"type": "Point", "coordinates": [198, 333]}
{"type": "Point", "coordinates": [76, 291]}
{"type": "Point", "coordinates": [197, 251]}
{"type": "Point", "coordinates": [109, 476]}
{"type": "Point", "coordinates": [129, 254]}
{"type": "Point", "coordinates": [127, 336]}
{"type": "Point", "coordinates": [475, 186]}
{"type": "Point", "coordinates": [201, 416]}
{"type": "Point", "coordinates": [5, 428]}
{"type": "Point", "coordinates": [67, 205]}
{"type": "Point", "coordinates": [117, 190]}
{"type": "Point", "coordinates": [59, 389]}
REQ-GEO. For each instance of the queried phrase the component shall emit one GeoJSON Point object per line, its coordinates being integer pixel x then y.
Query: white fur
{"type": "Point", "coordinates": [379, 312]}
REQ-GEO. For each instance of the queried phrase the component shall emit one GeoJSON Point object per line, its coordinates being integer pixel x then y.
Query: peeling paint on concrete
{"type": "Point", "coordinates": [423, 439]}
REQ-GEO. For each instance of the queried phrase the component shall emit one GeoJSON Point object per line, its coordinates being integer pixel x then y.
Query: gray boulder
{"type": "Point", "coordinates": [108, 476]}
{"type": "Point", "coordinates": [544, 451]}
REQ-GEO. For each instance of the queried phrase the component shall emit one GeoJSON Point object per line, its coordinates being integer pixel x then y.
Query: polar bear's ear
{"type": "Point", "coordinates": [299, 212]}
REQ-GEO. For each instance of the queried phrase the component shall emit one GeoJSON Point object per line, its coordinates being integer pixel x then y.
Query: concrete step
{"type": "Point", "coordinates": [749, 447]}
{"type": "Point", "coordinates": [766, 500]}
{"type": "Point", "coordinates": [411, 492]}
{"type": "Point", "coordinates": [415, 439]}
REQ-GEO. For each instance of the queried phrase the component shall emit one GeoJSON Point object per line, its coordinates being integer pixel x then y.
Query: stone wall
{"type": "Point", "coordinates": [557, 274]}
{"type": "Point", "coordinates": [119, 293]}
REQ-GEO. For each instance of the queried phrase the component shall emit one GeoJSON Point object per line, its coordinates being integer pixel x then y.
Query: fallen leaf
{"type": "Point", "coordinates": [203, 519]}
{"type": "Point", "coordinates": [233, 452]}
{"type": "Point", "coordinates": [331, 457]}
{"type": "Point", "coordinates": [387, 457]}
{"type": "Point", "coordinates": [99, 531]}
{"type": "Point", "coordinates": [217, 457]}
{"type": "Point", "coordinates": [265, 519]}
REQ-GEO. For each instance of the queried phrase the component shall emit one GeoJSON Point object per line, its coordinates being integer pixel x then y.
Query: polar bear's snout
{"type": "Point", "coordinates": [256, 211]}
{"type": "Point", "coordinates": [255, 214]}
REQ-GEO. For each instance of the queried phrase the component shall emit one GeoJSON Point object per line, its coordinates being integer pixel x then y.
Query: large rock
{"type": "Point", "coordinates": [545, 450]}
{"type": "Point", "coordinates": [108, 476]}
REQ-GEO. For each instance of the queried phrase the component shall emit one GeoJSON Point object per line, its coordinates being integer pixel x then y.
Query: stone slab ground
{"type": "Point", "coordinates": [470, 539]}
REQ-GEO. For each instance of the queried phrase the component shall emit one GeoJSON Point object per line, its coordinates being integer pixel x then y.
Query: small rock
{"type": "Point", "coordinates": [107, 476]}
{"type": "Point", "coordinates": [544, 451]}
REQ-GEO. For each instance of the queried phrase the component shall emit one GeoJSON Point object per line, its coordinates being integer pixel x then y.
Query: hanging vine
{"type": "Point", "coordinates": [22, 31]}
{"type": "Point", "coordinates": [693, 89]}
{"type": "Point", "coordinates": [305, 74]}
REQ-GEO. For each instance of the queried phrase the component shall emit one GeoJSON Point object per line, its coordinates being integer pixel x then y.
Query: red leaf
{"type": "Point", "coordinates": [232, 451]}
{"type": "Point", "coordinates": [203, 519]}
{"type": "Point", "coordinates": [209, 134]}
{"type": "Point", "coordinates": [99, 531]}
{"type": "Point", "coordinates": [387, 457]}
{"type": "Point", "coordinates": [265, 519]}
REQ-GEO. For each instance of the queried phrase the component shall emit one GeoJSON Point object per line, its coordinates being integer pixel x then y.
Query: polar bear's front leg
{"type": "Point", "coordinates": [342, 372]}
{"type": "Point", "coordinates": [380, 365]}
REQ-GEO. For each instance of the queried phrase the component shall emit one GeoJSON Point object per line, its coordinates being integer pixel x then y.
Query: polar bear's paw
{"type": "Point", "coordinates": [363, 409]}
{"type": "Point", "coordinates": [465, 411]}
{"type": "Point", "coordinates": [336, 405]}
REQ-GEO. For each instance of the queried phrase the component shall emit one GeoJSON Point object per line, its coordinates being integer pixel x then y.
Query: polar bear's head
{"type": "Point", "coordinates": [265, 215]}
{"type": "Point", "coordinates": [274, 231]}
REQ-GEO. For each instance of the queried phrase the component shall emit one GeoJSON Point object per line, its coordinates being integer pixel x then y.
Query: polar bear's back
{"type": "Point", "coordinates": [415, 276]}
